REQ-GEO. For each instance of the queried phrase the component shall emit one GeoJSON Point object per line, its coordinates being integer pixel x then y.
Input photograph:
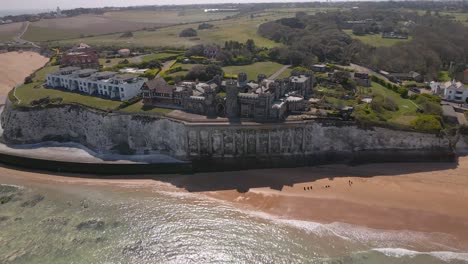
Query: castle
{"type": "Point", "coordinates": [263, 100]}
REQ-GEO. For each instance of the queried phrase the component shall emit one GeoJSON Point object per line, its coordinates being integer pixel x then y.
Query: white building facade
{"type": "Point", "coordinates": [109, 85]}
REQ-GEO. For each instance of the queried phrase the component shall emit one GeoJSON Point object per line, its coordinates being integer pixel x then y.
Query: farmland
{"type": "Point", "coordinates": [112, 22]}
{"type": "Point", "coordinates": [166, 17]}
{"type": "Point", "coordinates": [238, 29]}
{"type": "Point", "coordinates": [9, 31]}
{"type": "Point", "coordinates": [376, 40]}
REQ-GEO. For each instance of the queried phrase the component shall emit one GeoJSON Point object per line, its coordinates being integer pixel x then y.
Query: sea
{"type": "Point", "coordinates": [15, 12]}
{"type": "Point", "coordinates": [95, 223]}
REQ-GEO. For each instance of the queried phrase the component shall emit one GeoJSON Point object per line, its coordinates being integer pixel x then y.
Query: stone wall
{"type": "Point", "coordinates": [105, 133]}
{"type": "Point", "coordinates": [308, 138]}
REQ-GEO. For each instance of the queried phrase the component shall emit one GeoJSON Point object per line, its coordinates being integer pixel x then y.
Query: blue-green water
{"type": "Point", "coordinates": [82, 223]}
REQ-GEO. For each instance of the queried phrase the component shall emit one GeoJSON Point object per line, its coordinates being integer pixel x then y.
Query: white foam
{"type": "Point", "coordinates": [367, 236]}
{"type": "Point", "coordinates": [442, 255]}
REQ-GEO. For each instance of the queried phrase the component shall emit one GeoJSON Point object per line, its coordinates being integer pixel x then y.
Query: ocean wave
{"type": "Point", "coordinates": [442, 255]}
{"type": "Point", "coordinates": [349, 232]}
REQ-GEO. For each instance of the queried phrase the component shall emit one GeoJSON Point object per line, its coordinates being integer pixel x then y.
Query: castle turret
{"type": "Point", "coordinates": [242, 79]}
{"type": "Point", "coordinates": [210, 108]}
{"type": "Point", "coordinates": [232, 105]}
{"type": "Point", "coordinates": [260, 78]}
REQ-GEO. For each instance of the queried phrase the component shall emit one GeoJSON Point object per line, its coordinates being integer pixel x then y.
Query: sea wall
{"type": "Point", "coordinates": [235, 143]}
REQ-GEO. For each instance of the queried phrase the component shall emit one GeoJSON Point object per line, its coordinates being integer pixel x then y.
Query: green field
{"type": "Point", "coordinates": [163, 56]}
{"type": "Point", "coordinates": [167, 17]}
{"type": "Point", "coordinates": [238, 29]}
{"type": "Point", "coordinates": [36, 33]}
{"type": "Point", "coordinates": [285, 74]}
{"type": "Point", "coordinates": [376, 40]}
{"type": "Point", "coordinates": [9, 31]}
{"type": "Point", "coordinates": [267, 68]}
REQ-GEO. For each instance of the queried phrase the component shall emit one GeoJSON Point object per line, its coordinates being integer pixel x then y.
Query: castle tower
{"type": "Point", "coordinates": [232, 105]}
{"type": "Point", "coordinates": [210, 108]}
{"type": "Point", "coordinates": [260, 78]}
{"type": "Point", "coordinates": [242, 79]}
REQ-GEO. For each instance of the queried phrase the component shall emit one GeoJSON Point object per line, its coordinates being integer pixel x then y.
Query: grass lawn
{"type": "Point", "coordinates": [285, 74]}
{"type": "Point", "coordinates": [184, 71]}
{"type": "Point", "coordinates": [160, 56]}
{"type": "Point", "coordinates": [113, 62]}
{"type": "Point", "coordinates": [253, 70]}
{"type": "Point", "coordinates": [407, 110]}
{"type": "Point", "coordinates": [138, 108]}
{"type": "Point", "coordinates": [376, 40]}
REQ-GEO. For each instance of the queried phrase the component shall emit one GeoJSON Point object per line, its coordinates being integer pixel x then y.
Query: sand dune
{"type": "Point", "coordinates": [17, 66]}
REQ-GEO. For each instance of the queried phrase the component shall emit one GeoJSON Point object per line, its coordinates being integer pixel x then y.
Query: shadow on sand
{"type": "Point", "coordinates": [275, 178]}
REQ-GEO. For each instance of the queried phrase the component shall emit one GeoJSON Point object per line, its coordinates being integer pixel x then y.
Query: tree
{"type": "Point", "coordinates": [197, 50]}
{"type": "Point", "coordinates": [188, 32]}
{"type": "Point", "coordinates": [204, 72]}
{"type": "Point", "coordinates": [359, 30]}
{"type": "Point", "coordinates": [341, 77]}
{"type": "Point", "coordinates": [250, 45]}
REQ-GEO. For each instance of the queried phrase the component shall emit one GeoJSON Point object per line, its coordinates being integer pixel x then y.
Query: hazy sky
{"type": "Point", "coordinates": [67, 4]}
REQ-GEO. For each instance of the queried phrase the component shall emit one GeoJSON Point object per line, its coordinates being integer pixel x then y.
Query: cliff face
{"type": "Point", "coordinates": [139, 134]}
{"type": "Point", "coordinates": [98, 131]}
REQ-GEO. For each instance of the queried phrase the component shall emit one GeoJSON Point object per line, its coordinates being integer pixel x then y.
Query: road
{"type": "Point", "coordinates": [279, 72]}
{"type": "Point", "coordinates": [363, 69]}
{"type": "Point", "coordinates": [18, 38]}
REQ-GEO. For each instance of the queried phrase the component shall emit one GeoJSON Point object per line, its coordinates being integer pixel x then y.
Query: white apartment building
{"type": "Point", "coordinates": [108, 85]}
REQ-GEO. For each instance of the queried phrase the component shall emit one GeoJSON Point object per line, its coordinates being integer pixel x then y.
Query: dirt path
{"type": "Point", "coordinates": [166, 65]}
{"type": "Point", "coordinates": [279, 72]}
{"type": "Point", "coordinates": [19, 39]}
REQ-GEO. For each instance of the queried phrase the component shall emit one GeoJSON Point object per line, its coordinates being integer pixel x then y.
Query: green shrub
{"type": "Point", "coordinates": [427, 123]}
{"type": "Point", "coordinates": [380, 104]}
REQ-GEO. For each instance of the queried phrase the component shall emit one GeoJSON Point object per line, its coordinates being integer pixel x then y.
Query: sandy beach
{"type": "Point", "coordinates": [423, 197]}
{"type": "Point", "coordinates": [17, 66]}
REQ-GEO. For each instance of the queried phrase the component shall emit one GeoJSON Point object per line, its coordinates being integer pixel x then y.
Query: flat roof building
{"type": "Point", "coordinates": [109, 85]}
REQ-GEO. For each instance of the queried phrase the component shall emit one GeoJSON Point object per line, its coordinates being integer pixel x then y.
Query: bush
{"type": "Point", "coordinates": [188, 32]}
{"type": "Point", "coordinates": [427, 123]}
{"type": "Point", "coordinates": [127, 35]}
{"type": "Point", "coordinates": [128, 102]}
{"type": "Point", "coordinates": [205, 26]}
{"type": "Point", "coordinates": [29, 79]}
{"type": "Point", "coordinates": [380, 104]}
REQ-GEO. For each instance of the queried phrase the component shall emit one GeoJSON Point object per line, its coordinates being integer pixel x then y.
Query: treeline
{"type": "Point", "coordinates": [436, 41]}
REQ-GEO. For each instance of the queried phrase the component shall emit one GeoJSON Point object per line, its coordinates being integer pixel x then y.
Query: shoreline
{"type": "Point", "coordinates": [430, 201]}
{"type": "Point", "coordinates": [16, 67]}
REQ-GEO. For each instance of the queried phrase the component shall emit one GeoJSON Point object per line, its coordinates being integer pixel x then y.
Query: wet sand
{"type": "Point", "coordinates": [423, 197]}
{"type": "Point", "coordinates": [17, 66]}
